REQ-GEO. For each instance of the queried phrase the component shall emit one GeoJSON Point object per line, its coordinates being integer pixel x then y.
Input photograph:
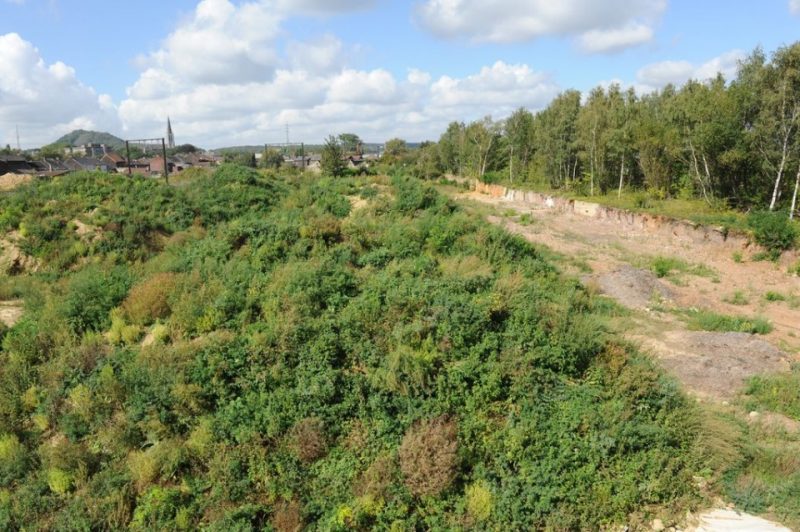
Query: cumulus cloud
{"type": "Point", "coordinates": [794, 7]}
{"type": "Point", "coordinates": [657, 75]}
{"type": "Point", "coordinates": [599, 41]}
{"type": "Point", "coordinates": [246, 94]}
{"type": "Point", "coordinates": [45, 101]}
{"type": "Point", "coordinates": [599, 26]}
{"type": "Point", "coordinates": [322, 7]}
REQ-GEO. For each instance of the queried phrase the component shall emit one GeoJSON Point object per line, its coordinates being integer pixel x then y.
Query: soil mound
{"type": "Point", "coordinates": [717, 364]}
{"type": "Point", "coordinates": [634, 288]}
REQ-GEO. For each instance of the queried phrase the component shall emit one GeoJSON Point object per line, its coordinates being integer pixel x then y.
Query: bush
{"type": "Point", "coordinates": [479, 501]}
{"type": "Point", "coordinates": [429, 456]}
{"type": "Point", "coordinates": [59, 481]}
{"type": "Point", "coordinates": [13, 459]}
{"type": "Point", "coordinates": [149, 301]}
{"type": "Point", "coordinates": [287, 516]}
{"type": "Point", "coordinates": [308, 439]}
{"type": "Point", "coordinates": [773, 230]}
{"type": "Point", "coordinates": [91, 295]}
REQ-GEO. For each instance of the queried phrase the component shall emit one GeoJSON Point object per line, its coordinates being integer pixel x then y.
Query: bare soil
{"type": "Point", "coordinates": [10, 312]}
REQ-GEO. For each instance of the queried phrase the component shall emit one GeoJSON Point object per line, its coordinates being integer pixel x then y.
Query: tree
{"type": "Point", "coordinates": [52, 151]}
{"type": "Point", "coordinates": [518, 130]}
{"type": "Point", "coordinates": [395, 148]}
{"type": "Point", "coordinates": [271, 158]}
{"type": "Point", "coordinates": [482, 136]}
{"type": "Point", "coordinates": [241, 158]}
{"type": "Point", "coordinates": [451, 148]}
{"type": "Point", "coordinates": [428, 164]}
{"type": "Point", "coordinates": [779, 117]}
{"type": "Point", "coordinates": [332, 163]}
{"type": "Point", "coordinates": [350, 142]}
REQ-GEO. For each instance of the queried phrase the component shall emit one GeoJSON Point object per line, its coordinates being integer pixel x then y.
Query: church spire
{"type": "Point", "coordinates": [170, 135]}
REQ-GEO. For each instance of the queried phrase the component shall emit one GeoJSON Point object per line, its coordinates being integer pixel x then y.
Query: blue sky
{"type": "Point", "coordinates": [230, 72]}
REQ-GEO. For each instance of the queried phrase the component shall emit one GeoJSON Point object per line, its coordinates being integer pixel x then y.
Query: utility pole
{"type": "Point", "coordinates": [19, 146]}
{"type": "Point", "coordinates": [166, 164]}
{"type": "Point", "coordinates": [303, 155]}
{"type": "Point", "coordinates": [128, 152]}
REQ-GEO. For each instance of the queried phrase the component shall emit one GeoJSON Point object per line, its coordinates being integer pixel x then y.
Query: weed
{"type": "Point", "coordinates": [703, 320]}
{"type": "Point", "coordinates": [774, 296]}
{"type": "Point", "coordinates": [737, 298]}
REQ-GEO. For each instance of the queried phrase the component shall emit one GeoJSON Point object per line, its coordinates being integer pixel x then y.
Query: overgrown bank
{"type": "Point", "coordinates": [251, 352]}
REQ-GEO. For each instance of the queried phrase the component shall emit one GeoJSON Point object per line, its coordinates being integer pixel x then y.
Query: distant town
{"type": "Point", "coordinates": [160, 157]}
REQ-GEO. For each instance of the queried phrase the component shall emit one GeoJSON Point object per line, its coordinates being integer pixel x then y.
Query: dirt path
{"type": "Point", "coordinates": [715, 276]}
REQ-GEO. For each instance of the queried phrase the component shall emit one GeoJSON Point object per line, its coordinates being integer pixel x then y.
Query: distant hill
{"type": "Point", "coordinates": [79, 137]}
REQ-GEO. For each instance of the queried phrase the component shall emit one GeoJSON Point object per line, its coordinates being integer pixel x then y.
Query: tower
{"type": "Point", "coordinates": [170, 135]}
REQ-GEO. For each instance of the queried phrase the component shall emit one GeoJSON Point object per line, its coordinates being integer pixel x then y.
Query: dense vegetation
{"type": "Point", "coordinates": [729, 143]}
{"type": "Point", "coordinates": [253, 352]}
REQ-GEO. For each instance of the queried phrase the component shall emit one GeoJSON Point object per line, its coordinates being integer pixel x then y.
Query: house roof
{"type": "Point", "coordinates": [84, 163]}
{"type": "Point", "coordinates": [114, 157]}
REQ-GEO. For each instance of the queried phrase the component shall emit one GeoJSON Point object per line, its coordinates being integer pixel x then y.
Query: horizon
{"type": "Point", "coordinates": [236, 73]}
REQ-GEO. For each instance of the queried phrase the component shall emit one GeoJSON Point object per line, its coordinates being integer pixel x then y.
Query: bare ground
{"type": "Point", "coordinates": [10, 312]}
{"type": "Point", "coordinates": [711, 366]}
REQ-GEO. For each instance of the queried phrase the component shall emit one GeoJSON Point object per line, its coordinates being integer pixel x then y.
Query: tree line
{"type": "Point", "coordinates": [731, 143]}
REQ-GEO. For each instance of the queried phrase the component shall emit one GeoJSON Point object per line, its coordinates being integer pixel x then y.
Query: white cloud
{"type": "Point", "coordinates": [322, 7]}
{"type": "Point", "coordinates": [794, 7]}
{"type": "Point", "coordinates": [657, 75]}
{"type": "Point", "coordinates": [324, 54]}
{"type": "Point", "coordinates": [599, 26]}
{"type": "Point", "coordinates": [600, 41]}
{"type": "Point", "coordinates": [215, 97]}
{"type": "Point", "coordinates": [45, 101]}
{"type": "Point", "coordinates": [222, 43]}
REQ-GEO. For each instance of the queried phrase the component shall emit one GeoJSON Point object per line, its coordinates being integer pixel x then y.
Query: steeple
{"type": "Point", "coordinates": [170, 135]}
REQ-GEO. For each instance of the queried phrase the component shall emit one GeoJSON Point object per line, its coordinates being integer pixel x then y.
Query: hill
{"type": "Point", "coordinates": [79, 137]}
{"type": "Point", "coordinates": [252, 352]}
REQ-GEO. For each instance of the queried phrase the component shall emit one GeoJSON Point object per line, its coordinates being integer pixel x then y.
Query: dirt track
{"type": "Point", "coordinates": [710, 365]}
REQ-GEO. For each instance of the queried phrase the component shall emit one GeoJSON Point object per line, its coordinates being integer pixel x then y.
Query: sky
{"type": "Point", "coordinates": [230, 72]}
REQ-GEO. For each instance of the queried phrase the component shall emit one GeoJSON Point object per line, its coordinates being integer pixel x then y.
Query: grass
{"type": "Point", "coordinates": [737, 298]}
{"type": "Point", "coordinates": [777, 393]}
{"type": "Point", "coordinates": [704, 320]}
{"type": "Point", "coordinates": [670, 266]}
{"type": "Point", "coordinates": [774, 296]}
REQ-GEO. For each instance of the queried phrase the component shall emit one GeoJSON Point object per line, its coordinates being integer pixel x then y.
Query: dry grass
{"type": "Point", "coordinates": [428, 456]}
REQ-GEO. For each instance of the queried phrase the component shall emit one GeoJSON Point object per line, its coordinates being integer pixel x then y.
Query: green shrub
{"type": "Point", "coordinates": [91, 294]}
{"type": "Point", "coordinates": [774, 296]}
{"type": "Point", "coordinates": [60, 481]}
{"type": "Point", "coordinates": [773, 230]}
{"type": "Point", "coordinates": [13, 459]}
{"type": "Point", "coordinates": [479, 501]}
